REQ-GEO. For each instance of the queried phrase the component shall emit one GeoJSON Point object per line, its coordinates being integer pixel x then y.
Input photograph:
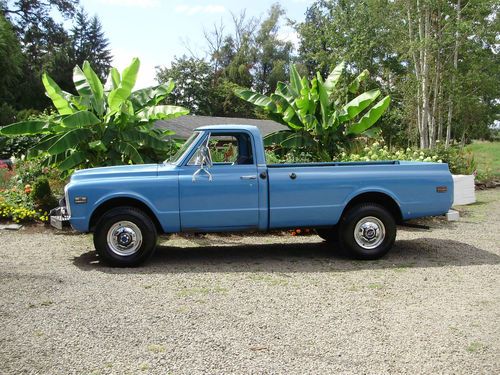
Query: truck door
{"type": "Point", "coordinates": [224, 196]}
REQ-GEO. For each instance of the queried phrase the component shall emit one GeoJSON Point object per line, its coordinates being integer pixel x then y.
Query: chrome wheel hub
{"type": "Point", "coordinates": [124, 238]}
{"type": "Point", "coordinates": [369, 232]}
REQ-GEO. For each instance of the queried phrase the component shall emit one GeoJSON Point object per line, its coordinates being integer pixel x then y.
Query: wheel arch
{"type": "Point", "coordinates": [378, 197]}
{"type": "Point", "coordinates": [122, 201]}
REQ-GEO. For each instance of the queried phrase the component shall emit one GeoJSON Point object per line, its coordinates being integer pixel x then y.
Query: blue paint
{"type": "Point", "coordinates": [316, 197]}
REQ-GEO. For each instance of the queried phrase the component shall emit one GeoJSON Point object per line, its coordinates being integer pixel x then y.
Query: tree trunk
{"type": "Point", "coordinates": [424, 58]}
{"type": "Point", "coordinates": [453, 76]}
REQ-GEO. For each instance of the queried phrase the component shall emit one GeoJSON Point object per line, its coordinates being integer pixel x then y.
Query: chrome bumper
{"type": "Point", "coordinates": [59, 216]}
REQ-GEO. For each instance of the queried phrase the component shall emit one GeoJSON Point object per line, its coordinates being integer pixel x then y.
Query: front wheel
{"type": "Point", "coordinates": [125, 237]}
{"type": "Point", "coordinates": [367, 231]}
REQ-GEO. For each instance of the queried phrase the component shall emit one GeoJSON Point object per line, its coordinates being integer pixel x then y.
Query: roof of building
{"type": "Point", "coordinates": [185, 125]}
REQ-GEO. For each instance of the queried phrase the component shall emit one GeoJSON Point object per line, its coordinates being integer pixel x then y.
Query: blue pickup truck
{"type": "Point", "coordinates": [219, 181]}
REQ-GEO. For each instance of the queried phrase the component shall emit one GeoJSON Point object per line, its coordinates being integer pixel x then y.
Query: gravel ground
{"type": "Point", "coordinates": [256, 304]}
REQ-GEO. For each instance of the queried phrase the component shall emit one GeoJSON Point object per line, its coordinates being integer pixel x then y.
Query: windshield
{"type": "Point", "coordinates": [178, 155]}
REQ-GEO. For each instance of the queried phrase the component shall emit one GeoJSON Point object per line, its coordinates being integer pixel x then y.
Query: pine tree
{"type": "Point", "coordinates": [90, 43]}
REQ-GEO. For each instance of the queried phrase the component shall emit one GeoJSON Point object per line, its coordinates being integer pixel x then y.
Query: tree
{"type": "Point", "coordinates": [194, 89]}
{"type": "Point", "coordinates": [321, 115]}
{"type": "Point", "coordinates": [42, 38]}
{"type": "Point", "coordinates": [102, 125]}
{"type": "Point", "coordinates": [10, 61]}
{"type": "Point", "coordinates": [90, 44]}
{"type": "Point", "coordinates": [273, 55]}
{"type": "Point", "coordinates": [423, 53]}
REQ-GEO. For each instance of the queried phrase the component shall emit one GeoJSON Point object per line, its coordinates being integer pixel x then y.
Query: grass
{"type": "Point", "coordinates": [487, 156]}
{"type": "Point", "coordinates": [475, 346]}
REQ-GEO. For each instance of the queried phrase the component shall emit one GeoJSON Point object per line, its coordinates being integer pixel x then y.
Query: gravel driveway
{"type": "Point", "coordinates": [256, 304]}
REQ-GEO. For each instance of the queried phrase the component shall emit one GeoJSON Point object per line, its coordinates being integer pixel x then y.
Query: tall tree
{"type": "Point", "coordinates": [89, 43]}
{"type": "Point", "coordinates": [10, 60]}
{"type": "Point", "coordinates": [272, 54]}
{"type": "Point", "coordinates": [423, 52]}
{"type": "Point", "coordinates": [41, 38]}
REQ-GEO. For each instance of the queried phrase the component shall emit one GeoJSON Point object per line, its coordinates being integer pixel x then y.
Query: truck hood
{"type": "Point", "coordinates": [141, 170]}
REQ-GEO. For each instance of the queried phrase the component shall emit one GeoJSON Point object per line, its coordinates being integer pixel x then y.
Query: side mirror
{"type": "Point", "coordinates": [204, 160]}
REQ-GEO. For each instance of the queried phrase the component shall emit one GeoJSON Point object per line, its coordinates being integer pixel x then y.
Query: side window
{"type": "Point", "coordinates": [228, 149]}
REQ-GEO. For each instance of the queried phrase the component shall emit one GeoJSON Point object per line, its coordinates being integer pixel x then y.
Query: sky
{"type": "Point", "coordinates": [157, 30]}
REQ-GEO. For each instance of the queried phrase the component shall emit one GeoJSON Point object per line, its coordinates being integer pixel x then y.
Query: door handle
{"type": "Point", "coordinates": [248, 177]}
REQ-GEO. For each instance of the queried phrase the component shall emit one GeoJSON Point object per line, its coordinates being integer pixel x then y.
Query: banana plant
{"type": "Point", "coordinates": [317, 113]}
{"type": "Point", "coordinates": [104, 124]}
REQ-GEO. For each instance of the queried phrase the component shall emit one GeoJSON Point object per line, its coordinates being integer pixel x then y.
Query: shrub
{"type": "Point", "coordinates": [42, 194]}
{"type": "Point", "coordinates": [459, 160]}
{"type": "Point", "coordinates": [102, 125]}
{"type": "Point", "coordinates": [323, 116]}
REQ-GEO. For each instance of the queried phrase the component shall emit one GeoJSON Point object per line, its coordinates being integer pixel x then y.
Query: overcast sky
{"type": "Point", "coordinates": [157, 30]}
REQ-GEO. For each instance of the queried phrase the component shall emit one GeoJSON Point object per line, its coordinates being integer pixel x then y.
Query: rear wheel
{"type": "Point", "coordinates": [125, 237]}
{"type": "Point", "coordinates": [367, 231]}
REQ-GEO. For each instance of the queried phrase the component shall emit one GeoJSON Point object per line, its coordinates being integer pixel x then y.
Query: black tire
{"type": "Point", "coordinates": [141, 223]}
{"type": "Point", "coordinates": [355, 215]}
{"type": "Point", "coordinates": [330, 235]}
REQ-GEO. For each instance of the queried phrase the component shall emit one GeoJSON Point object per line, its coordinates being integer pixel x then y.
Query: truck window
{"type": "Point", "coordinates": [228, 149]}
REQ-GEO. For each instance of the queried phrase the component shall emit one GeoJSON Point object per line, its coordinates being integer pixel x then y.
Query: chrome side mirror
{"type": "Point", "coordinates": [204, 160]}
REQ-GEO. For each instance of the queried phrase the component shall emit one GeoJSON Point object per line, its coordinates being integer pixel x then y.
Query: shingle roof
{"type": "Point", "coordinates": [184, 126]}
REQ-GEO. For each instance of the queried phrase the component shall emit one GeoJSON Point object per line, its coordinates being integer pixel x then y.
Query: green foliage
{"type": "Point", "coordinates": [103, 125]}
{"type": "Point", "coordinates": [10, 61]}
{"type": "Point", "coordinates": [42, 194]}
{"type": "Point", "coordinates": [18, 200]}
{"type": "Point", "coordinates": [321, 115]}
{"type": "Point", "coordinates": [390, 39]}
{"type": "Point", "coordinates": [459, 160]}
{"type": "Point", "coordinates": [487, 155]}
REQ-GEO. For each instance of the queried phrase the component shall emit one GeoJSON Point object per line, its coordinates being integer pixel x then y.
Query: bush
{"type": "Point", "coordinates": [26, 192]}
{"type": "Point", "coordinates": [42, 194]}
{"type": "Point", "coordinates": [459, 160]}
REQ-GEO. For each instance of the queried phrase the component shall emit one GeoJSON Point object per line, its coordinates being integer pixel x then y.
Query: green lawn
{"type": "Point", "coordinates": [487, 156]}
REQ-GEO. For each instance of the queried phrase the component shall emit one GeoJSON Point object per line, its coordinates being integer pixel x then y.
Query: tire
{"type": "Point", "coordinates": [367, 231]}
{"type": "Point", "coordinates": [125, 237]}
{"type": "Point", "coordinates": [330, 235]}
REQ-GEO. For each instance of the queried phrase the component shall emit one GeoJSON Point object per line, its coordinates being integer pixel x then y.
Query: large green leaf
{"type": "Point", "coordinates": [80, 119]}
{"type": "Point", "coordinates": [151, 95]}
{"type": "Point", "coordinates": [357, 105]}
{"type": "Point", "coordinates": [55, 94]}
{"type": "Point", "coordinates": [96, 87]}
{"type": "Point", "coordinates": [146, 140]}
{"type": "Point", "coordinates": [69, 140]}
{"type": "Point", "coordinates": [295, 79]}
{"type": "Point", "coordinates": [113, 81]}
{"type": "Point", "coordinates": [26, 128]}
{"type": "Point", "coordinates": [129, 74]}
{"type": "Point", "coordinates": [277, 137]}
{"type": "Point", "coordinates": [131, 152]}
{"type": "Point", "coordinates": [75, 159]}
{"type": "Point", "coordinates": [119, 95]}
{"type": "Point", "coordinates": [160, 112]}
{"type": "Point", "coordinates": [43, 145]}
{"type": "Point", "coordinates": [334, 77]}
{"type": "Point", "coordinates": [324, 100]}
{"type": "Point", "coordinates": [370, 118]}
{"type": "Point", "coordinates": [116, 98]}
{"type": "Point", "coordinates": [256, 98]}
{"type": "Point", "coordinates": [354, 85]}
{"type": "Point", "coordinates": [298, 139]}
{"type": "Point", "coordinates": [81, 83]}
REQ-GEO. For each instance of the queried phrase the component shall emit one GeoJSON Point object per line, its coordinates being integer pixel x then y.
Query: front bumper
{"type": "Point", "coordinates": [59, 216]}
